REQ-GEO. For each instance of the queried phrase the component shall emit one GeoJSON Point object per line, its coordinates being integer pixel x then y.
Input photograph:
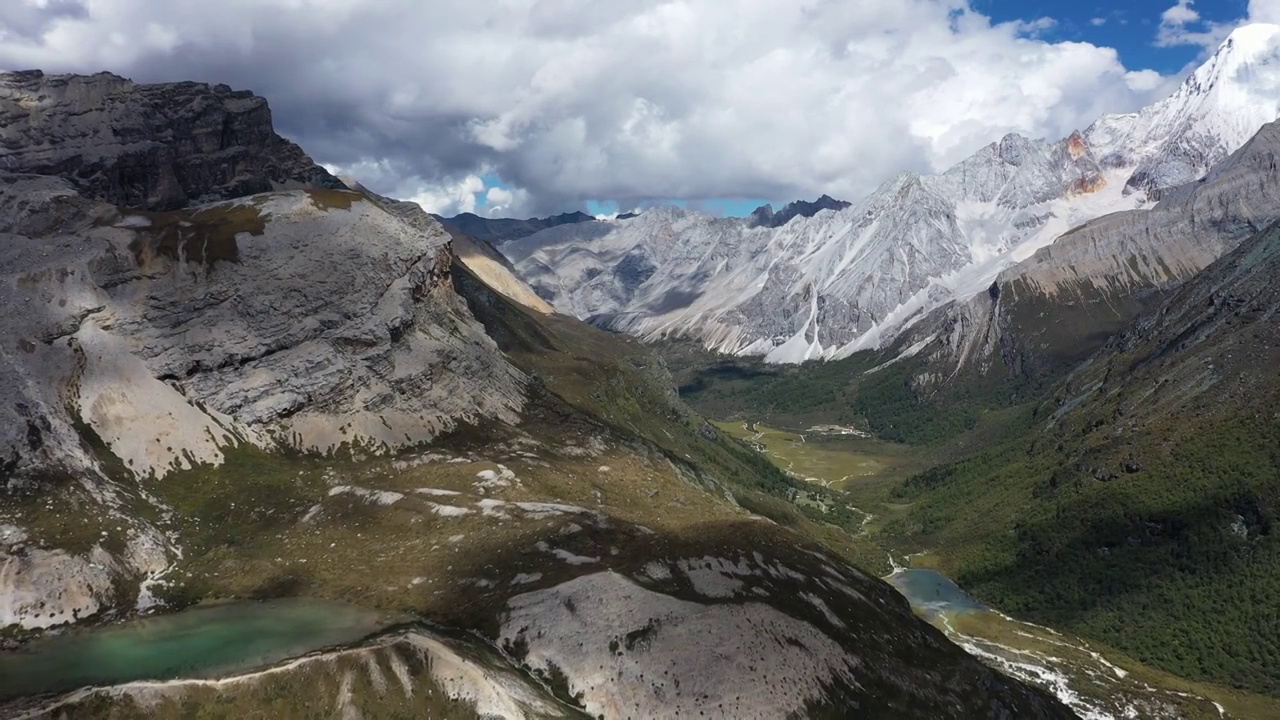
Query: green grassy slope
{"type": "Point", "coordinates": [1140, 504]}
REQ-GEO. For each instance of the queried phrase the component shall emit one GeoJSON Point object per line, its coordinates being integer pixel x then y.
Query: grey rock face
{"type": "Point", "coordinates": [764, 216]}
{"type": "Point", "coordinates": [154, 147]}
{"type": "Point", "coordinates": [312, 326]}
{"type": "Point", "coordinates": [1064, 302]}
{"type": "Point", "coordinates": [38, 205]}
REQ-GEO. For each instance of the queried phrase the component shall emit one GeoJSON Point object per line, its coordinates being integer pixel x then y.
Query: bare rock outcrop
{"type": "Point", "coordinates": [156, 147]}
{"type": "Point", "coordinates": [178, 280]}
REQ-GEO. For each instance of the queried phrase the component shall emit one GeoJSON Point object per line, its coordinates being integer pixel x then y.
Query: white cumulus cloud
{"type": "Point", "coordinates": [632, 101]}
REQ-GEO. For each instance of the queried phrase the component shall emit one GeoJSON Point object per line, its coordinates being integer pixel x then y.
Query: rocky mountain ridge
{"type": "Point", "coordinates": [1059, 306]}
{"type": "Point", "coordinates": [851, 279]}
{"type": "Point", "coordinates": [764, 216]}
{"type": "Point", "coordinates": [497, 231]}
{"type": "Point", "coordinates": [148, 147]}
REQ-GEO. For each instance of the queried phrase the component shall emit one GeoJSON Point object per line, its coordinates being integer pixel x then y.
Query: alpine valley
{"type": "Point", "coordinates": [1001, 442]}
{"type": "Point", "coordinates": [1048, 373]}
{"type": "Point", "coordinates": [348, 465]}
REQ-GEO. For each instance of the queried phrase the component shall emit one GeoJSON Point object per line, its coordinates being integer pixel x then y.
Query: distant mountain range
{"type": "Point", "coordinates": [801, 285]}
{"type": "Point", "coordinates": [497, 231]}
{"type": "Point", "coordinates": [764, 216]}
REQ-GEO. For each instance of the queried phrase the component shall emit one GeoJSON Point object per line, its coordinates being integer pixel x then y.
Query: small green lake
{"type": "Point", "coordinates": [200, 642]}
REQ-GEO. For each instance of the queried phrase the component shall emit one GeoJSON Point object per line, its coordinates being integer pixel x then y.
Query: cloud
{"type": "Point", "coordinates": [1265, 11]}
{"type": "Point", "coordinates": [25, 20]}
{"type": "Point", "coordinates": [1098, 21]}
{"type": "Point", "coordinates": [632, 101]}
{"type": "Point", "coordinates": [1181, 24]}
{"type": "Point", "coordinates": [449, 199]}
{"type": "Point", "coordinates": [505, 202]}
{"type": "Point", "coordinates": [1180, 15]}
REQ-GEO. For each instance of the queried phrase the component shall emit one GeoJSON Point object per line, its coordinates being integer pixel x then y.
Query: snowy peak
{"type": "Point", "coordinates": [1216, 110]}
{"type": "Point", "coordinates": [834, 279]}
{"type": "Point", "coordinates": [1247, 57]}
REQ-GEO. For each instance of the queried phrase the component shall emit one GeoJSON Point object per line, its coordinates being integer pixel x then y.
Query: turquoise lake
{"type": "Point", "coordinates": [204, 641]}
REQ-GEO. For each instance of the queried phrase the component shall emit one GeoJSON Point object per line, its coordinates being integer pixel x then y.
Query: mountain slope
{"type": "Point", "coordinates": [1139, 505]}
{"type": "Point", "coordinates": [850, 279]}
{"type": "Point", "coordinates": [305, 393]}
{"type": "Point", "coordinates": [1043, 315]}
{"type": "Point", "coordinates": [477, 255]}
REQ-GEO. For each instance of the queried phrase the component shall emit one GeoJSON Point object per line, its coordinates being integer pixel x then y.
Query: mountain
{"type": "Point", "coordinates": [305, 392]}
{"type": "Point", "coordinates": [1107, 408]}
{"type": "Point", "coordinates": [810, 287]}
{"type": "Point", "coordinates": [497, 231]}
{"type": "Point", "coordinates": [1095, 434]}
{"type": "Point", "coordinates": [851, 279]}
{"type": "Point", "coordinates": [1138, 503]}
{"type": "Point", "coordinates": [1054, 309]}
{"type": "Point", "coordinates": [1216, 110]}
{"type": "Point", "coordinates": [150, 147]}
{"type": "Point", "coordinates": [764, 216]}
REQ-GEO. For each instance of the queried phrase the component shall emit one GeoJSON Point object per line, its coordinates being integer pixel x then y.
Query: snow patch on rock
{"type": "Point", "coordinates": [565, 555]}
{"type": "Point", "coordinates": [378, 497]}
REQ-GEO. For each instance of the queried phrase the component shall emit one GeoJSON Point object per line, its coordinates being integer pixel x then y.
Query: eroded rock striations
{"type": "Point", "coordinates": [156, 147]}
{"type": "Point", "coordinates": [310, 319]}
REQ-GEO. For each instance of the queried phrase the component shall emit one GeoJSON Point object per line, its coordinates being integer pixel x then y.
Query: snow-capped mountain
{"type": "Point", "coordinates": [1214, 112]}
{"type": "Point", "coordinates": [849, 279]}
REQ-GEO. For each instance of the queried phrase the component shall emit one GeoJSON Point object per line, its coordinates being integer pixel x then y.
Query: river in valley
{"type": "Point", "coordinates": [1080, 676]}
{"type": "Point", "coordinates": [1095, 686]}
{"type": "Point", "coordinates": [203, 641]}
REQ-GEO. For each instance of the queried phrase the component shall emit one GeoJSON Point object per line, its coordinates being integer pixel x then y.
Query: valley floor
{"type": "Point", "coordinates": [1096, 681]}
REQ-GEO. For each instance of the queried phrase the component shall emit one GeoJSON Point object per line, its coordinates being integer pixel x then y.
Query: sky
{"type": "Point", "coordinates": [533, 107]}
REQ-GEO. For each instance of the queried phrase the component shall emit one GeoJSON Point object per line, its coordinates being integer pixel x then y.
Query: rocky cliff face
{"type": "Point", "coordinates": [157, 328]}
{"type": "Point", "coordinates": [155, 147]}
{"type": "Point", "coordinates": [1063, 303]}
{"type": "Point", "coordinates": [309, 318]}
